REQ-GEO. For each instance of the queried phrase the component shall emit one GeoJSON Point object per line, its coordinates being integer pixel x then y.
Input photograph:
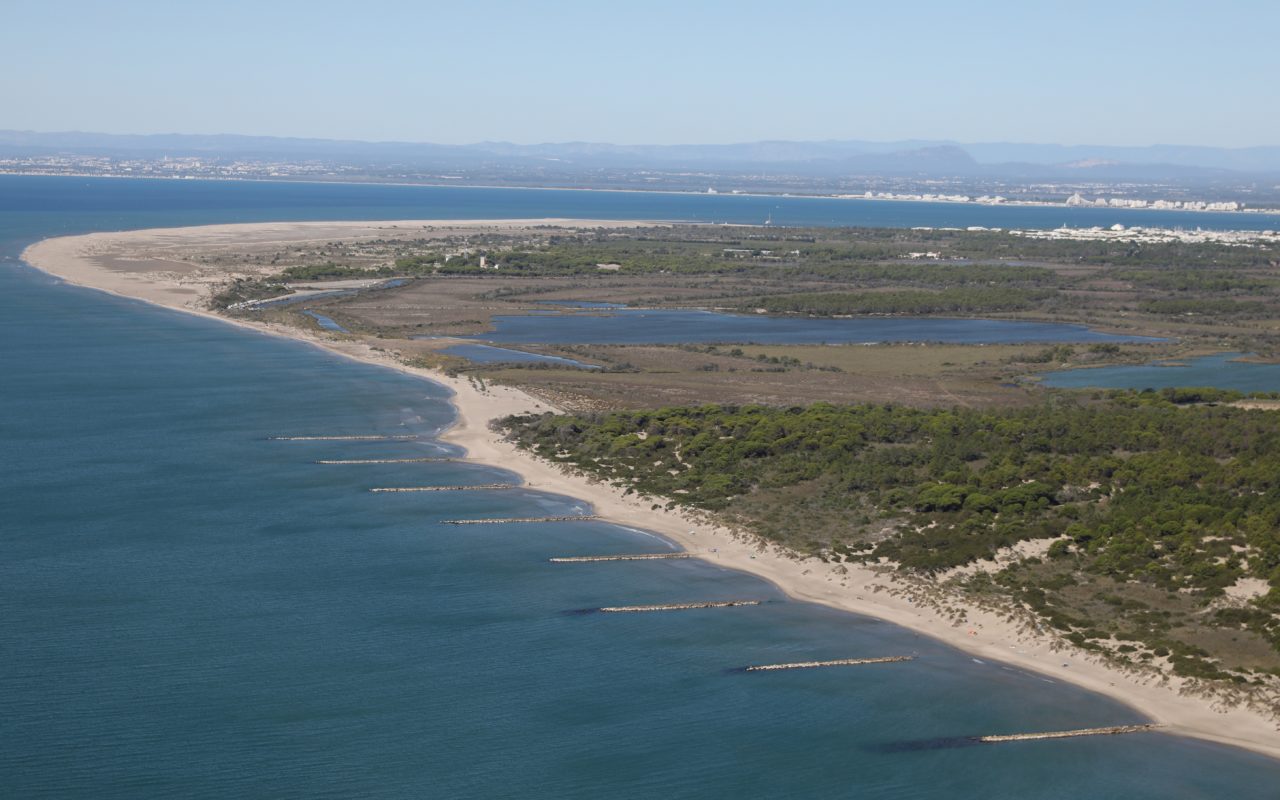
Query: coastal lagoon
{"type": "Point", "coordinates": [484, 354]}
{"type": "Point", "coordinates": [191, 608]}
{"type": "Point", "coordinates": [324, 322]}
{"type": "Point", "coordinates": [1222, 371]}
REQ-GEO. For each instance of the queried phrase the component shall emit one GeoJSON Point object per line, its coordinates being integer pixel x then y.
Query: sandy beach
{"type": "Point", "coordinates": [148, 265]}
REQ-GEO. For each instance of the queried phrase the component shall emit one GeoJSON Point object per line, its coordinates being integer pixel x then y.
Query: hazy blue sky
{"type": "Point", "coordinates": [663, 72]}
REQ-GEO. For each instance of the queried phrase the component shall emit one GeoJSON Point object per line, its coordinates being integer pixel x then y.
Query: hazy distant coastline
{"type": "Point", "coordinates": [1188, 206]}
{"type": "Point", "coordinates": [1169, 176]}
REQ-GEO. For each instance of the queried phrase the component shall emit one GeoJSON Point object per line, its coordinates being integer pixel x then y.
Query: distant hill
{"type": "Point", "coordinates": [1102, 162]}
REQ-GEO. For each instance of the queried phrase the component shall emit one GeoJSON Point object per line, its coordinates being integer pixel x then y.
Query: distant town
{"type": "Point", "coordinates": [1074, 200]}
{"type": "Point", "coordinates": [1220, 196]}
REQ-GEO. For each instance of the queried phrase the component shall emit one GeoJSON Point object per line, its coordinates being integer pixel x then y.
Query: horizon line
{"type": "Point", "coordinates": [562, 142]}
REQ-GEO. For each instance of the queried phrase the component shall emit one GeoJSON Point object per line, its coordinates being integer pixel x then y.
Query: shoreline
{"type": "Point", "coordinates": [1269, 212]}
{"type": "Point", "coordinates": [856, 589]}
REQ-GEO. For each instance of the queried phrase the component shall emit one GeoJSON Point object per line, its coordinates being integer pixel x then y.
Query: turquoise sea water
{"type": "Point", "coordinates": [190, 609]}
{"type": "Point", "coordinates": [1222, 370]}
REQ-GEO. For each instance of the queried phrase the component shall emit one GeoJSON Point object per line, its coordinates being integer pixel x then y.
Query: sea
{"type": "Point", "coordinates": [193, 607]}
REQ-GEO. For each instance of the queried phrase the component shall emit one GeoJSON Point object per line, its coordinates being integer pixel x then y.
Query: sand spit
{"type": "Point", "coordinates": [96, 261]}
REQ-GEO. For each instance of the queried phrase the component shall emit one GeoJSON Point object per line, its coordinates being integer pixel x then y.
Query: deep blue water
{"type": "Point", "coordinates": [189, 609]}
{"type": "Point", "coordinates": [1222, 371]}
{"type": "Point", "coordinates": [662, 326]}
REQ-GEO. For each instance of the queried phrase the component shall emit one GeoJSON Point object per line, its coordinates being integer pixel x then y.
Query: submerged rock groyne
{"type": "Point", "coordinates": [626, 557]}
{"type": "Point", "coordinates": [384, 460]}
{"type": "Point", "coordinates": [369, 438]}
{"type": "Point", "coordinates": [839, 662]}
{"type": "Point", "coordinates": [514, 520]}
{"type": "Point", "coordinates": [1112, 730]}
{"type": "Point", "coordinates": [479, 487]}
{"type": "Point", "coordinates": [677, 606]}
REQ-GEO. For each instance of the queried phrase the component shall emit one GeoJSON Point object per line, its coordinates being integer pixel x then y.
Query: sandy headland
{"type": "Point", "coordinates": [149, 265]}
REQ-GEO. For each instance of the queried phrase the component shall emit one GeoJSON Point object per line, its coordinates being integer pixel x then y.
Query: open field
{"type": "Point", "coordinates": [650, 376]}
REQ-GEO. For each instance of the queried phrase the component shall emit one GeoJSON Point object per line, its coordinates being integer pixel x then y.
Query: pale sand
{"type": "Point", "coordinates": [94, 260]}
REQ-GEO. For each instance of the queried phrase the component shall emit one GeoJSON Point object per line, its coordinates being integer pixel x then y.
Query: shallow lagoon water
{"type": "Point", "coordinates": [325, 322]}
{"type": "Point", "coordinates": [1222, 371]}
{"type": "Point", "coordinates": [485, 354]}
{"type": "Point", "coordinates": [191, 609]}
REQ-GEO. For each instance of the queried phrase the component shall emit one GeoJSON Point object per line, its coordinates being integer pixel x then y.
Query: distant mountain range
{"type": "Point", "coordinates": [822, 158]}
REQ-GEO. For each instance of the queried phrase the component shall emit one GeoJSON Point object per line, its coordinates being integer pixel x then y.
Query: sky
{"type": "Point", "coordinates": [1124, 72]}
